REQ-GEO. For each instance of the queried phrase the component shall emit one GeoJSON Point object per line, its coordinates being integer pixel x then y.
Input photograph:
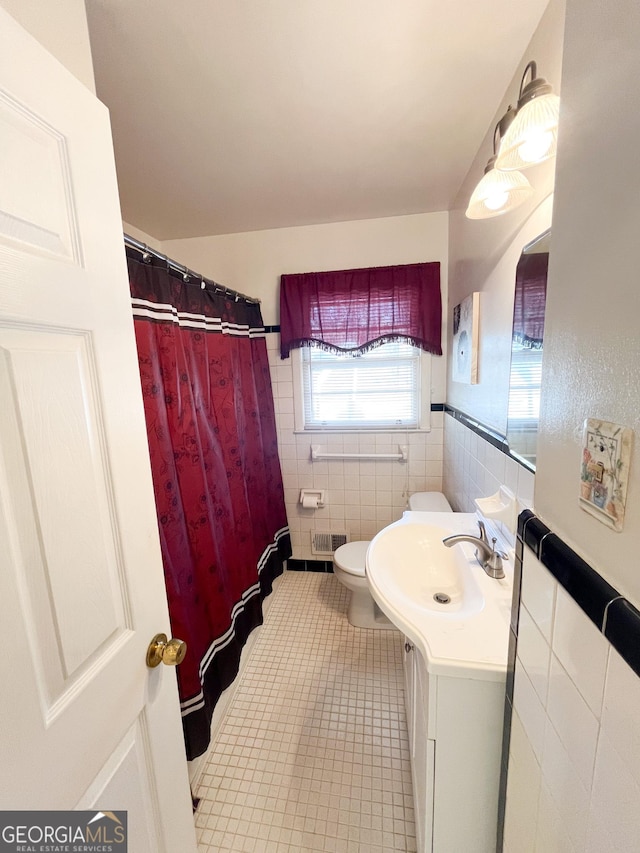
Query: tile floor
{"type": "Point", "coordinates": [313, 751]}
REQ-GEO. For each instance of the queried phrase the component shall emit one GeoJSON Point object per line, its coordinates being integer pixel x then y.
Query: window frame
{"type": "Point", "coordinates": [424, 407]}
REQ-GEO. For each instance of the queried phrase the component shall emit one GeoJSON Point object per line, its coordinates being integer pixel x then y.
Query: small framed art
{"type": "Point", "coordinates": [606, 456]}
{"type": "Point", "coordinates": [465, 340]}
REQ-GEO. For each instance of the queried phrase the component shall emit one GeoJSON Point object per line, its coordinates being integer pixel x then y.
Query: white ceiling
{"type": "Point", "coordinates": [239, 115]}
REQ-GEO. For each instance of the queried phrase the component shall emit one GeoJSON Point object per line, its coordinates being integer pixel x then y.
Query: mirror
{"type": "Point", "coordinates": [526, 349]}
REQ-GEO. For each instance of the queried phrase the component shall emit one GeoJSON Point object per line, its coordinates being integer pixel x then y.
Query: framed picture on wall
{"type": "Point", "coordinates": [604, 475]}
{"type": "Point", "coordinates": [465, 340]}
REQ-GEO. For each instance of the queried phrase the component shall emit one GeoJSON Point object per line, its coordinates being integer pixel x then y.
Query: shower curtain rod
{"type": "Point", "coordinates": [147, 253]}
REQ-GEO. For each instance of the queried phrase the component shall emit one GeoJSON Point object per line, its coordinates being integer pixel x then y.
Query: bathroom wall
{"type": "Point", "coordinates": [573, 770]}
{"type": "Point", "coordinates": [143, 237]}
{"type": "Point", "coordinates": [475, 465]}
{"type": "Point", "coordinates": [592, 343]}
{"type": "Point", "coordinates": [362, 496]}
{"type": "Point", "coordinates": [574, 762]}
{"type": "Point", "coordinates": [483, 255]}
{"type": "Point", "coordinates": [253, 262]}
{"type": "Point", "coordinates": [61, 27]}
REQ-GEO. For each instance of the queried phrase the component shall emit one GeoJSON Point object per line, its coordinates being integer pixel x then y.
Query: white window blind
{"type": "Point", "coordinates": [378, 390]}
{"type": "Point", "coordinates": [525, 384]}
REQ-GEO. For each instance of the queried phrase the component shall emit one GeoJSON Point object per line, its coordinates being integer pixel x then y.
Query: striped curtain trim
{"type": "Point", "coordinates": [162, 312]}
{"type": "Point", "coordinates": [197, 702]}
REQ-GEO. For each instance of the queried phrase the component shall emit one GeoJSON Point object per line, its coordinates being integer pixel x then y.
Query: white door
{"type": "Point", "coordinates": [84, 722]}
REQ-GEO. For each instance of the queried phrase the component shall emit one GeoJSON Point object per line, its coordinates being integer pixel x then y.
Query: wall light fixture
{"type": "Point", "coordinates": [523, 137]}
{"type": "Point", "coordinates": [498, 192]}
{"type": "Point", "coordinates": [532, 136]}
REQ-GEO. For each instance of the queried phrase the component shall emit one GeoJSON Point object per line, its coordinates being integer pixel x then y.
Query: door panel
{"type": "Point", "coordinates": [73, 584]}
{"type": "Point", "coordinates": [126, 783]}
{"type": "Point", "coordinates": [81, 582]}
{"type": "Point", "coordinates": [34, 153]}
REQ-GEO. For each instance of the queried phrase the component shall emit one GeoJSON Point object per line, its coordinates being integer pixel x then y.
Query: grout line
{"type": "Point", "coordinates": [313, 752]}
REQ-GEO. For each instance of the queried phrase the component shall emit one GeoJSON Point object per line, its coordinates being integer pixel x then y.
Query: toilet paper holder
{"type": "Point", "coordinates": [312, 498]}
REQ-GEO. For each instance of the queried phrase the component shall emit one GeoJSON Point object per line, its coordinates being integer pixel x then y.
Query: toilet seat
{"type": "Point", "coordinates": [349, 567]}
{"type": "Point", "coordinates": [351, 558]}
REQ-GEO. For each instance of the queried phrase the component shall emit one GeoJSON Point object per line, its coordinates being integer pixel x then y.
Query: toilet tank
{"type": "Point", "coordinates": [429, 502]}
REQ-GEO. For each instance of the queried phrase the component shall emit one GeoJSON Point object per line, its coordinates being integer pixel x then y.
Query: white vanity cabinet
{"type": "Point", "coordinates": [455, 737]}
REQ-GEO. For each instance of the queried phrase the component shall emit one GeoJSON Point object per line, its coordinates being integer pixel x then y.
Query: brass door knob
{"type": "Point", "coordinates": [162, 650]}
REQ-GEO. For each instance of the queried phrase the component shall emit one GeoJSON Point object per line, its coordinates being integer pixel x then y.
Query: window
{"type": "Point", "coordinates": [524, 387]}
{"type": "Point", "coordinates": [385, 388]}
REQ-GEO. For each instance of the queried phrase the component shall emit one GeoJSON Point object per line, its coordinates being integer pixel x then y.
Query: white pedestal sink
{"type": "Point", "coordinates": [407, 565]}
{"type": "Point", "coordinates": [456, 621]}
{"type": "Point", "coordinates": [426, 575]}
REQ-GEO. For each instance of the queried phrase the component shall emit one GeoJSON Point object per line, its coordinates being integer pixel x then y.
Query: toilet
{"type": "Point", "coordinates": [349, 568]}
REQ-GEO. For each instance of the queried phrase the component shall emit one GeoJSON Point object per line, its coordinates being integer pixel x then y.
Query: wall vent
{"type": "Point", "coordinates": [327, 541]}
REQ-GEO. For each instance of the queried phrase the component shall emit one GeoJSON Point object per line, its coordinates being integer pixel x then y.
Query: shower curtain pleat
{"type": "Point", "coordinates": [216, 472]}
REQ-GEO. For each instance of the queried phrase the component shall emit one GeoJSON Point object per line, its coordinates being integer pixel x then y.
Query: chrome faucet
{"type": "Point", "coordinates": [486, 554]}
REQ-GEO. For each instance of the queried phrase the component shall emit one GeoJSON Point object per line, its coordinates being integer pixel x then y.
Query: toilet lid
{"type": "Point", "coordinates": [351, 557]}
{"type": "Point", "coordinates": [429, 502]}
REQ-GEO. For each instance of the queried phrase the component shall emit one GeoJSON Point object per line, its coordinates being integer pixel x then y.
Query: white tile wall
{"type": "Point", "coordinates": [365, 496]}
{"type": "Point", "coordinates": [538, 595]}
{"type": "Point", "coordinates": [550, 833]}
{"type": "Point", "coordinates": [523, 789]}
{"type": "Point", "coordinates": [473, 468]}
{"type": "Point", "coordinates": [574, 758]}
{"type": "Point", "coordinates": [614, 819]}
{"type": "Point", "coordinates": [534, 653]}
{"type": "Point", "coordinates": [530, 709]}
{"type": "Point", "coordinates": [570, 796]}
{"type": "Point", "coordinates": [572, 718]}
{"type": "Point", "coordinates": [362, 497]}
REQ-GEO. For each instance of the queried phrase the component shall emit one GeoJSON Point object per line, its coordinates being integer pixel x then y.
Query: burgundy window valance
{"type": "Point", "coordinates": [530, 299]}
{"type": "Point", "coordinates": [356, 310]}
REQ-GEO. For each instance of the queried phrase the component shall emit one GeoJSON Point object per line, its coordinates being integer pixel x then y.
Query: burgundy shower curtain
{"type": "Point", "coordinates": [216, 473]}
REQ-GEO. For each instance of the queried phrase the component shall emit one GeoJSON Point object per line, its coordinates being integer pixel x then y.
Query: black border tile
{"type": "Point", "coordinates": [622, 629]}
{"type": "Point", "coordinates": [511, 663]}
{"type": "Point", "coordinates": [517, 588]}
{"type": "Point", "coordinates": [584, 584]}
{"type": "Point", "coordinates": [525, 516]}
{"type": "Point", "coordinates": [492, 436]}
{"type": "Point", "coordinates": [612, 614]}
{"type": "Point", "coordinates": [504, 773]}
{"type": "Point", "coordinates": [295, 565]}
{"type": "Point", "coordinates": [534, 533]}
{"type": "Point", "coordinates": [495, 438]}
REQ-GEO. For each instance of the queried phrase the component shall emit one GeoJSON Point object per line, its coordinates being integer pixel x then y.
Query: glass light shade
{"type": "Point", "coordinates": [498, 192]}
{"type": "Point", "coordinates": [532, 136]}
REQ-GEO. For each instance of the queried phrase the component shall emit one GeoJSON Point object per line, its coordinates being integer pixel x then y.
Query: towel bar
{"type": "Point", "coordinates": [400, 456]}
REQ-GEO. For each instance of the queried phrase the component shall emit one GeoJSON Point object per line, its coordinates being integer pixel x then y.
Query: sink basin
{"type": "Point", "coordinates": [440, 597]}
{"type": "Point", "coordinates": [425, 572]}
